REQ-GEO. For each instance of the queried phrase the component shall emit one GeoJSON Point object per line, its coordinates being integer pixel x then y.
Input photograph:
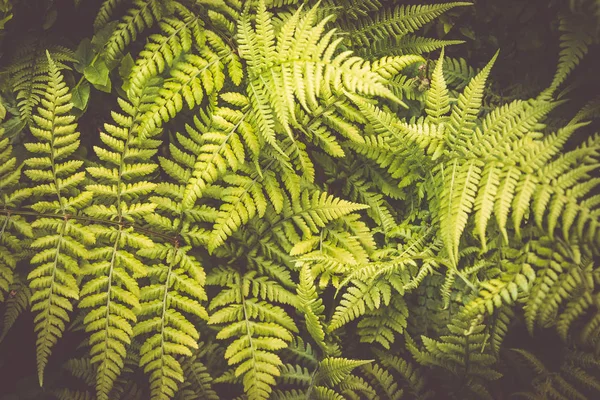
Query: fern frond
{"type": "Point", "coordinates": [166, 306]}
{"type": "Point", "coordinates": [465, 110]}
{"type": "Point", "coordinates": [463, 353]}
{"type": "Point", "coordinates": [106, 12]}
{"type": "Point", "coordinates": [191, 77]}
{"type": "Point", "coordinates": [574, 41]}
{"type": "Point", "coordinates": [28, 72]}
{"type": "Point", "coordinates": [198, 380]}
{"type": "Point", "coordinates": [576, 307]}
{"type": "Point", "coordinates": [273, 66]}
{"type": "Point", "coordinates": [259, 328]}
{"type": "Point", "coordinates": [13, 228]}
{"type": "Point", "coordinates": [438, 100]}
{"type": "Point", "coordinates": [176, 38]}
{"type": "Point", "coordinates": [572, 381]}
{"type": "Point", "coordinates": [333, 370]}
{"type": "Point", "coordinates": [381, 325]}
{"type": "Point", "coordinates": [397, 22]}
{"type": "Point", "coordinates": [311, 305]}
{"type": "Point", "coordinates": [461, 180]}
{"type": "Point", "coordinates": [111, 287]}
{"type": "Point", "coordinates": [414, 379]}
{"type": "Point", "coordinates": [221, 146]}
{"type": "Point", "coordinates": [504, 290]}
{"type": "Point", "coordinates": [61, 242]}
{"type": "Point", "coordinates": [19, 299]}
{"type": "Point", "coordinates": [457, 72]}
{"type": "Point", "coordinates": [407, 44]}
{"type": "Point", "coordinates": [499, 326]}
{"type": "Point", "coordinates": [381, 379]}
{"type": "Point", "coordinates": [358, 299]}
{"type": "Point", "coordinates": [561, 274]}
{"type": "Point", "coordinates": [141, 16]}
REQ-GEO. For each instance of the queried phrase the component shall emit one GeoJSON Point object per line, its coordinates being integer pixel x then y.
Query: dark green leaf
{"type": "Point", "coordinates": [81, 95]}
{"type": "Point", "coordinates": [84, 55]}
{"type": "Point", "coordinates": [97, 74]}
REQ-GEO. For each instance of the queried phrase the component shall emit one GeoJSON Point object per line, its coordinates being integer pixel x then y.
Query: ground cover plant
{"type": "Point", "coordinates": [219, 199]}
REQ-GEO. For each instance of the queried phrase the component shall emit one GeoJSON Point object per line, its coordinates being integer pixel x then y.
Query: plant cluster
{"type": "Point", "coordinates": [278, 199]}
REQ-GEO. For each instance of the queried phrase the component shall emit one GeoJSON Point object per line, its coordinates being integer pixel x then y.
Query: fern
{"type": "Point", "coordinates": [105, 13]}
{"type": "Point", "coordinates": [575, 39]}
{"type": "Point", "coordinates": [280, 191]}
{"type": "Point", "coordinates": [60, 241]}
{"type": "Point", "coordinates": [18, 301]}
{"type": "Point", "coordinates": [29, 71]}
{"type": "Point", "coordinates": [259, 328]}
{"type": "Point", "coordinates": [143, 15]}
{"type": "Point", "coordinates": [13, 227]}
{"type": "Point", "coordinates": [198, 381]}
{"type": "Point", "coordinates": [562, 273]}
{"type": "Point", "coordinates": [190, 79]}
{"type": "Point", "coordinates": [399, 21]}
{"type": "Point", "coordinates": [572, 381]}
{"type": "Point", "coordinates": [177, 282]}
{"type": "Point", "coordinates": [112, 289]}
{"type": "Point", "coordinates": [462, 353]}
{"type": "Point", "coordinates": [177, 36]}
{"type": "Point", "coordinates": [412, 377]}
{"type": "Point", "coordinates": [318, 63]}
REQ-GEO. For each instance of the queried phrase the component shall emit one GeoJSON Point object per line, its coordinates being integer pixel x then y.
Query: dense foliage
{"type": "Point", "coordinates": [220, 199]}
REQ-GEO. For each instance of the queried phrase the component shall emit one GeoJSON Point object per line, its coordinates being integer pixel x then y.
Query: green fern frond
{"type": "Point", "coordinates": [111, 287]}
{"type": "Point", "coordinates": [561, 274]}
{"type": "Point", "coordinates": [461, 180]}
{"type": "Point", "coordinates": [381, 379]}
{"type": "Point", "coordinates": [513, 283]}
{"type": "Point", "coordinates": [334, 370]}
{"type": "Point", "coordinates": [397, 22]}
{"type": "Point", "coordinates": [13, 228]}
{"type": "Point", "coordinates": [60, 242]}
{"type": "Point", "coordinates": [574, 41]}
{"type": "Point", "coordinates": [413, 378]}
{"type": "Point", "coordinates": [19, 299]}
{"type": "Point", "coordinates": [572, 381]}
{"type": "Point", "coordinates": [191, 77]}
{"type": "Point", "coordinates": [407, 44]}
{"type": "Point", "coordinates": [578, 306]}
{"type": "Point", "coordinates": [259, 328]}
{"type": "Point", "coordinates": [381, 325]}
{"type": "Point", "coordinates": [142, 15]}
{"type": "Point", "coordinates": [177, 36]}
{"type": "Point", "coordinates": [499, 326]}
{"type": "Point", "coordinates": [358, 299]}
{"type": "Point", "coordinates": [28, 72]}
{"type": "Point", "coordinates": [359, 186]}
{"type": "Point", "coordinates": [418, 247]}
{"type": "Point", "coordinates": [274, 66]}
{"type": "Point", "coordinates": [457, 72]}
{"type": "Point", "coordinates": [198, 380]}
{"type": "Point", "coordinates": [465, 110]}
{"type": "Point", "coordinates": [438, 99]}
{"type": "Point", "coordinates": [106, 12]}
{"type": "Point", "coordinates": [311, 305]}
{"type": "Point", "coordinates": [175, 293]}
{"type": "Point", "coordinates": [463, 353]}
{"type": "Point", "coordinates": [221, 146]}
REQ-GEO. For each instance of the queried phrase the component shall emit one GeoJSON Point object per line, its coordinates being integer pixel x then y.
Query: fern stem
{"type": "Point", "coordinates": [149, 232]}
